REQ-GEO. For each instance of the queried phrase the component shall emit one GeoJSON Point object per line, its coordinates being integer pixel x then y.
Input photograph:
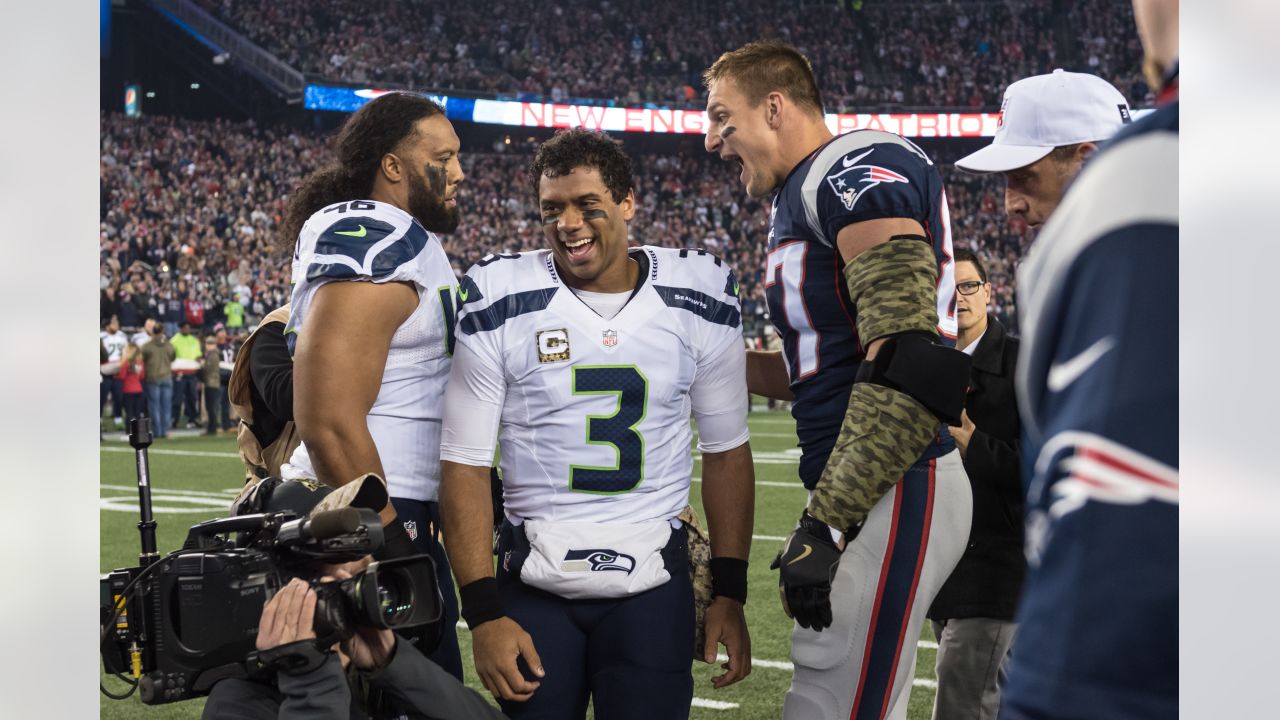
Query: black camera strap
{"type": "Point", "coordinates": [295, 658]}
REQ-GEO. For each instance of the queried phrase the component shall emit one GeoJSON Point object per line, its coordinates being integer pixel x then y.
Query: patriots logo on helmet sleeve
{"type": "Point", "coordinates": [854, 180]}
{"type": "Point", "coordinates": [597, 560]}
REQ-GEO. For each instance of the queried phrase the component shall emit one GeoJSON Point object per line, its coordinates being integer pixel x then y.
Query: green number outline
{"type": "Point", "coordinates": [450, 310]}
{"type": "Point", "coordinates": [617, 464]}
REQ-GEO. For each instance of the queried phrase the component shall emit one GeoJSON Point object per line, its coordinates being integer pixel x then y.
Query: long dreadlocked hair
{"type": "Point", "coordinates": [370, 133]}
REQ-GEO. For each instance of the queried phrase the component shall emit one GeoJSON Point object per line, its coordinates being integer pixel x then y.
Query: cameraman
{"type": "Point", "coordinates": [420, 688]}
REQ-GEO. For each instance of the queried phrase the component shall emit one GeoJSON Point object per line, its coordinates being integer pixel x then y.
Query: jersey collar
{"type": "Point", "coordinates": [635, 253]}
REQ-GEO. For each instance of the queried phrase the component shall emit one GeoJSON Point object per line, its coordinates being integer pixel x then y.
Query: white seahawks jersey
{"type": "Point", "coordinates": [594, 413]}
{"type": "Point", "coordinates": [371, 241]}
{"type": "Point", "coordinates": [115, 344]}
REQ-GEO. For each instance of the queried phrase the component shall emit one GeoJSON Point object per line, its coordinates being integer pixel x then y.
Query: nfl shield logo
{"type": "Point", "coordinates": [411, 527]}
{"type": "Point", "coordinates": [610, 338]}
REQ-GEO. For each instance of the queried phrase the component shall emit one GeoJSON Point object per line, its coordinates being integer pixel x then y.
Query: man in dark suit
{"type": "Point", "coordinates": [973, 613]}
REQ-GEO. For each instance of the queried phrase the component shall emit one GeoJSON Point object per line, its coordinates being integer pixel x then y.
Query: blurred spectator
{"type": "Point", "coordinates": [114, 342]}
{"type": "Point", "coordinates": [157, 358]}
{"type": "Point", "coordinates": [227, 348]}
{"type": "Point", "coordinates": [131, 376]}
{"type": "Point", "coordinates": [211, 378]}
{"type": "Point", "coordinates": [187, 350]}
{"type": "Point", "coordinates": [141, 337]}
{"type": "Point", "coordinates": [233, 310]}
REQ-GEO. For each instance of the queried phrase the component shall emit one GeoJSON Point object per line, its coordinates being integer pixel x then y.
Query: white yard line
{"type": "Point", "coordinates": [216, 494]}
{"type": "Point", "coordinates": [786, 664]}
{"type": "Point", "coordinates": [166, 451]}
{"type": "Point", "coordinates": [714, 704]}
{"type": "Point", "coordinates": [754, 434]}
{"type": "Point", "coordinates": [769, 483]}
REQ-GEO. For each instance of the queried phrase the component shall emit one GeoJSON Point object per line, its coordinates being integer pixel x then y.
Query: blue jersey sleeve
{"type": "Point", "coordinates": [1110, 371]}
{"type": "Point", "coordinates": [1102, 525]}
{"type": "Point", "coordinates": [880, 181]}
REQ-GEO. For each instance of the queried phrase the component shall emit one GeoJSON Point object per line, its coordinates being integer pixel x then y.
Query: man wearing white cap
{"type": "Point", "coordinates": [1097, 387]}
{"type": "Point", "coordinates": [1049, 125]}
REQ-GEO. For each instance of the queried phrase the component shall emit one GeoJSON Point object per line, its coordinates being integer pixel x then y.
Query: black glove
{"type": "Point", "coordinates": [807, 565]}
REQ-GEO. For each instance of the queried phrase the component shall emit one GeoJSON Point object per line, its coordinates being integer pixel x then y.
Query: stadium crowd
{"type": "Point", "coordinates": [190, 210]}
{"type": "Point", "coordinates": [904, 54]}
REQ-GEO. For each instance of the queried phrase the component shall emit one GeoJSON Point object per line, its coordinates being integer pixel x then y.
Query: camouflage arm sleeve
{"type": "Point", "coordinates": [894, 287]}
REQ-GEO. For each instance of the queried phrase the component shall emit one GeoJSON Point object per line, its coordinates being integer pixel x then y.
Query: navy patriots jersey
{"type": "Point", "coordinates": [1098, 390]}
{"type": "Point", "coordinates": [862, 175]}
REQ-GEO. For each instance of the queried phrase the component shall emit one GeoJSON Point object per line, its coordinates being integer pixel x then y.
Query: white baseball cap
{"type": "Point", "coordinates": [1043, 112]}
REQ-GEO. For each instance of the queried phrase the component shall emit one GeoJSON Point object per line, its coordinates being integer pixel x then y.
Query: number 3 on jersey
{"type": "Point", "coordinates": [617, 430]}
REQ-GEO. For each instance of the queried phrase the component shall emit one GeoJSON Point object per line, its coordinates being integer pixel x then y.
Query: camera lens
{"type": "Point", "coordinates": [395, 598]}
{"type": "Point", "coordinates": [396, 593]}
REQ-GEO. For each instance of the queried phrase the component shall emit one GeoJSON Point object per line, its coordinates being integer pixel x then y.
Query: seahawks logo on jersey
{"type": "Point", "coordinates": [363, 246]}
{"type": "Point", "coordinates": [597, 561]}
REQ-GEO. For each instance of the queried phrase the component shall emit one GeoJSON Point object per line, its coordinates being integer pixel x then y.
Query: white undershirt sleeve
{"type": "Point", "coordinates": [719, 398]}
{"type": "Point", "coordinates": [472, 408]}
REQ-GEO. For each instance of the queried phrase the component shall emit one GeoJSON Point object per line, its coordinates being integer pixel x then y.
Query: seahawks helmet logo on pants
{"type": "Point", "coordinates": [597, 560]}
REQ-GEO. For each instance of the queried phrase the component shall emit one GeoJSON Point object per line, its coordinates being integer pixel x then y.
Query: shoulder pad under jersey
{"type": "Point", "coordinates": [867, 175]}
{"type": "Point", "coordinates": [697, 281]}
{"type": "Point", "coordinates": [360, 238]}
{"type": "Point", "coordinates": [502, 286]}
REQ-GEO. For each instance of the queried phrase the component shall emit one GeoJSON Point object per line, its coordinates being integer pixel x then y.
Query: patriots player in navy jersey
{"type": "Point", "coordinates": [861, 287]}
{"type": "Point", "coordinates": [371, 322]}
{"type": "Point", "coordinates": [1097, 385]}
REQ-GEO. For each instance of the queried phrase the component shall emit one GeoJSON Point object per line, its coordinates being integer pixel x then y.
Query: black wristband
{"type": "Point", "coordinates": [729, 578]}
{"type": "Point", "coordinates": [395, 542]}
{"type": "Point", "coordinates": [481, 602]}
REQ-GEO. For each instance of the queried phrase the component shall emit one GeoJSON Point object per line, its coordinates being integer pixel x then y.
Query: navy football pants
{"type": "Point", "coordinates": [425, 516]}
{"type": "Point", "coordinates": [631, 656]}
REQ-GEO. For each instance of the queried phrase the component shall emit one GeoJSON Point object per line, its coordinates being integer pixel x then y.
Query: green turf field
{"type": "Point", "coordinates": [195, 478]}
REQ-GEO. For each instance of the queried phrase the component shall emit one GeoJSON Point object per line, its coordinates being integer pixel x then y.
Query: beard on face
{"type": "Point", "coordinates": [426, 204]}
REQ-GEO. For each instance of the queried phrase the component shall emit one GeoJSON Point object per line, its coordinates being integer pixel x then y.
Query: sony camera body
{"type": "Point", "coordinates": [180, 623]}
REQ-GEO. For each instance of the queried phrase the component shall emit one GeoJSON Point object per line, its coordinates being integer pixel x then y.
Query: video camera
{"type": "Point", "coordinates": [180, 623]}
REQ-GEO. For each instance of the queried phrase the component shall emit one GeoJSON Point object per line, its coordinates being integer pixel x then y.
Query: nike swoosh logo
{"type": "Point", "coordinates": [807, 549]}
{"type": "Point", "coordinates": [463, 293]}
{"type": "Point", "coordinates": [352, 233]}
{"type": "Point", "coordinates": [848, 163]}
{"type": "Point", "coordinates": [1063, 374]}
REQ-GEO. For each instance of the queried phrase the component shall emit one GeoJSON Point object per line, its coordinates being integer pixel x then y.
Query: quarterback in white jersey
{"type": "Point", "coordinates": [590, 358]}
{"type": "Point", "coordinates": [551, 370]}
{"type": "Point", "coordinates": [371, 322]}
